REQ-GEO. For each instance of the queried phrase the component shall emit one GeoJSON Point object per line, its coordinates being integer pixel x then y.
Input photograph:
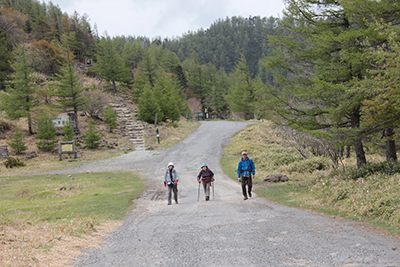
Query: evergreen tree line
{"type": "Point", "coordinates": [136, 62]}
{"type": "Point", "coordinates": [326, 68]}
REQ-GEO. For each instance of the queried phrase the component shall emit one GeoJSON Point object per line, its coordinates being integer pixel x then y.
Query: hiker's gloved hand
{"type": "Point", "coordinates": [176, 182]}
{"type": "Point", "coordinates": [212, 180]}
{"type": "Point", "coordinates": [199, 181]}
{"type": "Point", "coordinates": [165, 184]}
{"type": "Point", "coordinates": [240, 180]}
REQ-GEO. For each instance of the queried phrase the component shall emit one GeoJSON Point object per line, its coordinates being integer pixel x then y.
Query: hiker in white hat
{"type": "Point", "coordinates": [171, 179]}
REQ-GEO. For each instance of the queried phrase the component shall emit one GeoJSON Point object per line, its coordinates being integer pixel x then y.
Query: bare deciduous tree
{"type": "Point", "coordinates": [96, 103]}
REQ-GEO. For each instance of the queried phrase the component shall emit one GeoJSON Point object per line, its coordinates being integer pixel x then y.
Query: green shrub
{"type": "Point", "coordinates": [388, 168]}
{"type": "Point", "coordinates": [13, 162]}
{"type": "Point", "coordinates": [173, 124]}
{"type": "Point", "coordinates": [110, 118]}
{"type": "Point", "coordinates": [68, 132]}
{"type": "Point", "coordinates": [308, 165]}
{"type": "Point", "coordinates": [4, 126]}
{"type": "Point", "coordinates": [92, 138]}
{"type": "Point", "coordinates": [46, 133]}
{"type": "Point", "coordinates": [17, 142]}
{"type": "Point", "coordinates": [285, 158]}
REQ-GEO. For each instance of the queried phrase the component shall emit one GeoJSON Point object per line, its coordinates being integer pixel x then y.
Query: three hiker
{"type": "Point", "coordinates": [206, 176]}
{"type": "Point", "coordinates": [171, 179]}
{"type": "Point", "coordinates": [246, 172]}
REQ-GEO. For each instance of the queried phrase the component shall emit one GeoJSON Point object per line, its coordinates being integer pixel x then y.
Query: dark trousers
{"type": "Point", "coordinates": [206, 188]}
{"type": "Point", "coordinates": [175, 190]}
{"type": "Point", "coordinates": [246, 181]}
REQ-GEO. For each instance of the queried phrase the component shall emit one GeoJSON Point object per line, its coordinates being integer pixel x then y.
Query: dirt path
{"type": "Point", "coordinates": [226, 231]}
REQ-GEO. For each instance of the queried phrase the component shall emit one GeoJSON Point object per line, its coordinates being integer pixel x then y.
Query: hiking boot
{"type": "Point", "coordinates": [176, 201]}
{"type": "Point", "coordinates": [249, 194]}
{"type": "Point", "coordinates": [245, 198]}
{"type": "Point", "coordinates": [207, 198]}
{"type": "Point", "coordinates": [169, 203]}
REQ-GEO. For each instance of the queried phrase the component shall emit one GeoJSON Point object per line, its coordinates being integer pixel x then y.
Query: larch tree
{"type": "Point", "coordinates": [69, 90]}
{"type": "Point", "coordinates": [242, 95]}
{"type": "Point", "coordinates": [318, 64]}
{"type": "Point", "coordinates": [111, 66]}
{"type": "Point", "coordinates": [382, 87]}
{"type": "Point", "coordinates": [21, 93]}
{"type": "Point", "coordinates": [5, 58]}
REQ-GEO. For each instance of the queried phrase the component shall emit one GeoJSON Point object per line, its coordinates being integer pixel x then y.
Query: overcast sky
{"type": "Point", "coordinates": [165, 18]}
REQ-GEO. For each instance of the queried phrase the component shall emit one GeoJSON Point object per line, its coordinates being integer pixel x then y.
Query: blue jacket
{"type": "Point", "coordinates": [246, 168]}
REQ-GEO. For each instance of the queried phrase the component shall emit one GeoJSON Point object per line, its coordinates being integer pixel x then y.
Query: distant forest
{"type": "Point", "coordinates": [328, 69]}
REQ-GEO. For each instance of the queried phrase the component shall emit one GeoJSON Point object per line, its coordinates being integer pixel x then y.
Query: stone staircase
{"type": "Point", "coordinates": [129, 125]}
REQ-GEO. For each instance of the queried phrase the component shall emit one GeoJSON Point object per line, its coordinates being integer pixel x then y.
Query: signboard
{"type": "Point", "coordinates": [66, 148]}
{"type": "Point", "coordinates": [4, 151]}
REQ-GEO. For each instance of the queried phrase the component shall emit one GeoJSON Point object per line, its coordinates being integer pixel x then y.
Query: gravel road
{"type": "Point", "coordinates": [226, 231]}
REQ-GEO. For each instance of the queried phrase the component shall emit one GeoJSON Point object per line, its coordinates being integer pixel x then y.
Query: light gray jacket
{"type": "Point", "coordinates": [167, 177]}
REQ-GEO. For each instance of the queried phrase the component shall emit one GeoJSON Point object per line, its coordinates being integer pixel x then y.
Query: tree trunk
{"type": "Point", "coordinates": [30, 124]}
{"type": "Point", "coordinates": [390, 146]}
{"type": "Point", "coordinates": [348, 151]}
{"type": "Point", "coordinates": [114, 87]}
{"type": "Point", "coordinates": [358, 145]}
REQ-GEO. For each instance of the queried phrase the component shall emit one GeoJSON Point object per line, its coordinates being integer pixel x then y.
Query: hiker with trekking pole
{"type": "Point", "coordinates": [206, 176]}
{"type": "Point", "coordinates": [246, 172]}
{"type": "Point", "coordinates": [171, 179]}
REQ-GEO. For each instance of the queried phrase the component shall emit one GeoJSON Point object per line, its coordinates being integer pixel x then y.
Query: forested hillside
{"type": "Point", "coordinates": [327, 70]}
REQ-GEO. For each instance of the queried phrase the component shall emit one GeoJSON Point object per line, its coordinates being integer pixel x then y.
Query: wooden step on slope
{"type": "Point", "coordinates": [131, 127]}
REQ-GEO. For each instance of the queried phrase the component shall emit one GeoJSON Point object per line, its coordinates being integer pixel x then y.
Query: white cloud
{"type": "Point", "coordinates": [165, 18]}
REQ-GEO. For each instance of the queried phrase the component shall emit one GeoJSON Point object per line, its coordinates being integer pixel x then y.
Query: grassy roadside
{"type": "Point", "coordinates": [372, 198]}
{"type": "Point", "coordinates": [44, 225]}
{"type": "Point", "coordinates": [41, 225]}
{"type": "Point", "coordinates": [171, 134]}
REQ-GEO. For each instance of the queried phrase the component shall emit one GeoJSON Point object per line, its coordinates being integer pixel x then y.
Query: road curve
{"type": "Point", "coordinates": [226, 231]}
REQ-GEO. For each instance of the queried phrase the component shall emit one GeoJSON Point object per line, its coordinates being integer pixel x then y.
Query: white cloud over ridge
{"type": "Point", "coordinates": [153, 18]}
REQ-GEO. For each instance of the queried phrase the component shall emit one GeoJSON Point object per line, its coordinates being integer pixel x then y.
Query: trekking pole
{"type": "Point", "coordinates": [198, 193]}
{"type": "Point", "coordinates": [213, 184]}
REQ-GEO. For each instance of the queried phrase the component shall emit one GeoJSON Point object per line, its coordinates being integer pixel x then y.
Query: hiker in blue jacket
{"type": "Point", "coordinates": [171, 179]}
{"type": "Point", "coordinates": [246, 172]}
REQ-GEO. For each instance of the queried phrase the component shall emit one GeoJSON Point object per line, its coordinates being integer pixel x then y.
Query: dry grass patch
{"type": "Point", "coordinates": [46, 244]}
{"type": "Point", "coordinates": [171, 133]}
{"type": "Point", "coordinates": [46, 226]}
{"type": "Point", "coordinates": [370, 194]}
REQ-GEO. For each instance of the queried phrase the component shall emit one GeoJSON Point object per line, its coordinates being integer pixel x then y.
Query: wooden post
{"type": "Point", "coordinates": [59, 151]}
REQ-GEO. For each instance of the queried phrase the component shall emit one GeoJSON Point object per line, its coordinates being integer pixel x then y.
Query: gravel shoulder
{"type": "Point", "coordinates": [226, 231]}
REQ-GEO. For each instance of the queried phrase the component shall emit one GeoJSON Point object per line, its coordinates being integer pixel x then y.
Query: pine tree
{"type": "Point", "coordinates": [169, 97]}
{"type": "Point", "coordinates": [5, 58]}
{"type": "Point", "coordinates": [219, 92]}
{"type": "Point", "coordinates": [68, 132]}
{"type": "Point", "coordinates": [178, 71]}
{"type": "Point", "coordinates": [91, 137]}
{"type": "Point", "coordinates": [110, 118]}
{"type": "Point", "coordinates": [69, 90]}
{"type": "Point", "coordinates": [149, 106]}
{"type": "Point", "coordinates": [321, 61]}
{"type": "Point", "coordinates": [111, 66]}
{"type": "Point", "coordinates": [242, 96]}
{"type": "Point", "coordinates": [381, 108]}
{"type": "Point", "coordinates": [17, 142]}
{"type": "Point", "coordinates": [21, 97]}
{"type": "Point", "coordinates": [46, 133]}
